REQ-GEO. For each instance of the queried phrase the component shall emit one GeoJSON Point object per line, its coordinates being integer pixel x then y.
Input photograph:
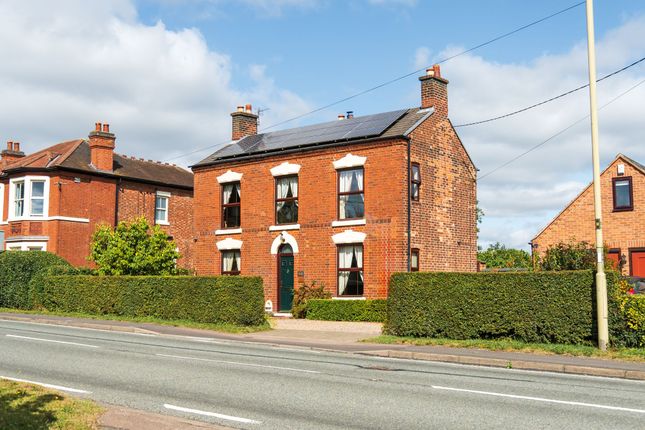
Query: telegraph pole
{"type": "Point", "coordinates": [601, 279]}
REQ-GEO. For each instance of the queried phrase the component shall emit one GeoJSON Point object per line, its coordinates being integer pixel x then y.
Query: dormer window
{"type": "Point", "coordinates": [623, 194]}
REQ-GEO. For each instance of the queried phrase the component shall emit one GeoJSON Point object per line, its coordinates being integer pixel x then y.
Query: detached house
{"type": "Point", "coordinates": [623, 217]}
{"type": "Point", "coordinates": [53, 199]}
{"type": "Point", "coordinates": [343, 203]}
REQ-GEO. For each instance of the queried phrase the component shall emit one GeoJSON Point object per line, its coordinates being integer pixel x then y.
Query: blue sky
{"type": "Point", "coordinates": [166, 74]}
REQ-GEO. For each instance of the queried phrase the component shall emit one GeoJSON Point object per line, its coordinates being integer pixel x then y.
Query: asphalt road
{"type": "Point", "coordinates": [254, 386]}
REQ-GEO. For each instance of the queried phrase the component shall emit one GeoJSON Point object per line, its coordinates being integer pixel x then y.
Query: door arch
{"type": "Point", "coordinates": [285, 278]}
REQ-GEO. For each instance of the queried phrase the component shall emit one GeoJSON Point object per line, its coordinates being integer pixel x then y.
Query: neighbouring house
{"type": "Point", "coordinates": [344, 203]}
{"type": "Point", "coordinates": [53, 199]}
{"type": "Point", "coordinates": [623, 218]}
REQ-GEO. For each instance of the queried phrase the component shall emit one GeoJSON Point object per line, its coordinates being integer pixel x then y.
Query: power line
{"type": "Point", "coordinates": [468, 124]}
{"type": "Point", "coordinates": [391, 81]}
{"type": "Point", "coordinates": [512, 160]}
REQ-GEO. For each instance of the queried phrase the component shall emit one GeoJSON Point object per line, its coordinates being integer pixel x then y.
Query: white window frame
{"type": "Point", "coordinates": [24, 246]}
{"type": "Point", "coordinates": [165, 195]}
{"type": "Point", "coordinates": [26, 213]}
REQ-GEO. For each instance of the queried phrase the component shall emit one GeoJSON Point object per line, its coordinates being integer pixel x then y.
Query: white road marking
{"type": "Point", "coordinates": [212, 414]}
{"type": "Point", "coordinates": [51, 340]}
{"type": "Point", "coordinates": [541, 399]}
{"type": "Point", "coordinates": [237, 363]}
{"type": "Point", "coordinates": [42, 384]}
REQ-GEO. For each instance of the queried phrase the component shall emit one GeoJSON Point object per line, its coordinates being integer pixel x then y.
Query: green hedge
{"type": "Point", "coordinates": [220, 299]}
{"type": "Point", "coordinates": [347, 310]}
{"type": "Point", "coordinates": [551, 307]}
{"type": "Point", "coordinates": [16, 272]}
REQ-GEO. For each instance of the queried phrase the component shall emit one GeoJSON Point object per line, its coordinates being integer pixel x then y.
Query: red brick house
{"type": "Point", "coordinates": [344, 203]}
{"type": "Point", "coordinates": [623, 217]}
{"type": "Point", "coordinates": [53, 199]}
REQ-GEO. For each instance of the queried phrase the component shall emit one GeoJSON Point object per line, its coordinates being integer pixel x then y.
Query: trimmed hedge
{"type": "Point", "coordinates": [347, 310]}
{"type": "Point", "coordinates": [16, 272]}
{"type": "Point", "coordinates": [218, 299]}
{"type": "Point", "coordinates": [548, 307]}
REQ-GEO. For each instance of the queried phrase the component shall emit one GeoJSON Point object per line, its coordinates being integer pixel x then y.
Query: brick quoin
{"type": "Point", "coordinates": [443, 224]}
{"type": "Point", "coordinates": [623, 230]}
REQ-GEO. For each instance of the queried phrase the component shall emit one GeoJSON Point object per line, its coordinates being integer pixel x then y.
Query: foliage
{"type": "Point", "coordinates": [17, 269]}
{"type": "Point", "coordinates": [498, 256]}
{"type": "Point", "coordinates": [479, 214]}
{"type": "Point", "coordinates": [569, 256]}
{"type": "Point", "coordinates": [305, 293]}
{"type": "Point", "coordinates": [218, 299]}
{"type": "Point", "coordinates": [25, 406]}
{"type": "Point", "coordinates": [347, 310]}
{"type": "Point", "coordinates": [133, 248]}
{"type": "Point", "coordinates": [544, 307]}
{"type": "Point", "coordinates": [626, 315]}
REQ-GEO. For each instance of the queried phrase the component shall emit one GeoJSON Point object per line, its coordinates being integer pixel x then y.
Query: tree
{"type": "Point", "coordinates": [133, 248]}
{"type": "Point", "coordinates": [569, 256]}
{"type": "Point", "coordinates": [498, 256]}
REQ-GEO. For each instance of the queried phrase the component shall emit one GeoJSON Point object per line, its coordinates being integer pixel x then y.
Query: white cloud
{"type": "Point", "coordinates": [164, 92]}
{"type": "Point", "coordinates": [421, 57]}
{"type": "Point", "coordinates": [521, 198]}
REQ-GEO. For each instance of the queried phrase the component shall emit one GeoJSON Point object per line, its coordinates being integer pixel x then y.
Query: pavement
{"type": "Point", "coordinates": [198, 380]}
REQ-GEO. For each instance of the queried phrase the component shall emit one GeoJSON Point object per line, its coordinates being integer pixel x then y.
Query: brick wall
{"type": "Point", "coordinates": [444, 225]}
{"type": "Point", "coordinates": [621, 230]}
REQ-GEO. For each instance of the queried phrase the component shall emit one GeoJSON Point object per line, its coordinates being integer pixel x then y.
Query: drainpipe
{"type": "Point", "coordinates": [409, 207]}
{"type": "Point", "coordinates": [116, 202]}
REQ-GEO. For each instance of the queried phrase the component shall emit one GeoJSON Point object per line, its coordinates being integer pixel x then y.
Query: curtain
{"type": "Point", "coordinates": [227, 261]}
{"type": "Point", "coordinates": [228, 189]}
{"type": "Point", "coordinates": [344, 262]}
{"type": "Point", "coordinates": [231, 193]}
{"type": "Point", "coordinates": [238, 260]}
{"type": "Point", "coordinates": [284, 184]}
{"type": "Point", "coordinates": [358, 252]}
{"type": "Point", "coordinates": [351, 180]}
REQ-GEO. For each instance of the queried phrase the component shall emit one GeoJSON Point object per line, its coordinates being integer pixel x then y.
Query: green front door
{"type": "Point", "coordinates": [286, 283]}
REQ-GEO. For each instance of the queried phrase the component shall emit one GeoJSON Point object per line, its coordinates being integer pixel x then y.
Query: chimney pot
{"type": "Point", "coordinates": [106, 128]}
{"type": "Point", "coordinates": [430, 72]}
{"type": "Point", "coordinates": [350, 114]}
{"type": "Point", "coordinates": [240, 108]}
{"type": "Point", "coordinates": [98, 126]}
{"type": "Point", "coordinates": [249, 108]}
{"type": "Point", "coordinates": [16, 146]}
{"type": "Point", "coordinates": [437, 70]}
{"type": "Point", "coordinates": [9, 145]}
{"type": "Point", "coordinates": [341, 117]}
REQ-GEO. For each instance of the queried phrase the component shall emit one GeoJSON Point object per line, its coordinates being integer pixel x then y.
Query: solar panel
{"type": "Point", "coordinates": [353, 128]}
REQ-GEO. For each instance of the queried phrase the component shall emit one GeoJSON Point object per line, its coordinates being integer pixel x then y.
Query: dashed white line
{"type": "Point", "coordinates": [52, 386]}
{"type": "Point", "coordinates": [212, 414]}
{"type": "Point", "coordinates": [51, 340]}
{"type": "Point", "coordinates": [237, 363]}
{"type": "Point", "coordinates": [541, 399]}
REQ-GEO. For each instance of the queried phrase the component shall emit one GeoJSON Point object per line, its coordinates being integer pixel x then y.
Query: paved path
{"type": "Point", "coordinates": [258, 386]}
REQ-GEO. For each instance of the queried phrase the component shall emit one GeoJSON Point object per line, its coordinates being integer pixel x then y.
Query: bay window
{"type": "Point", "coordinates": [351, 196]}
{"type": "Point", "coordinates": [286, 200]}
{"type": "Point", "coordinates": [28, 198]}
{"type": "Point", "coordinates": [350, 270]}
{"type": "Point", "coordinates": [231, 203]}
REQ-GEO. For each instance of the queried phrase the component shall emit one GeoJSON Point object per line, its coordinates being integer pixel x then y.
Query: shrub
{"type": "Point", "coordinates": [304, 294]}
{"type": "Point", "coordinates": [16, 272]}
{"type": "Point", "coordinates": [347, 310]}
{"type": "Point", "coordinates": [569, 256]}
{"type": "Point", "coordinates": [219, 299]}
{"type": "Point", "coordinates": [133, 248]}
{"type": "Point", "coordinates": [498, 256]}
{"type": "Point", "coordinates": [548, 307]}
{"type": "Point", "coordinates": [626, 316]}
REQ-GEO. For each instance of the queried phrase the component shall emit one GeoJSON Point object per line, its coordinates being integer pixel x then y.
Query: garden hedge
{"type": "Point", "coordinates": [347, 310]}
{"type": "Point", "coordinates": [218, 299]}
{"type": "Point", "coordinates": [551, 307]}
{"type": "Point", "coordinates": [16, 272]}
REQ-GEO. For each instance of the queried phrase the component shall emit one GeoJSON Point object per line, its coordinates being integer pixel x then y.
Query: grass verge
{"type": "Point", "coordinates": [629, 354]}
{"type": "Point", "coordinates": [225, 328]}
{"type": "Point", "coordinates": [29, 407]}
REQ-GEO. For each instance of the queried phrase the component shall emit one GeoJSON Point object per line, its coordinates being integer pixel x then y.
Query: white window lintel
{"type": "Point", "coordinates": [229, 176]}
{"type": "Point", "coordinates": [349, 236]}
{"type": "Point", "coordinates": [350, 160]}
{"type": "Point", "coordinates": [285, 169]}
{"type": "Point", "coordinates": [229, 244]}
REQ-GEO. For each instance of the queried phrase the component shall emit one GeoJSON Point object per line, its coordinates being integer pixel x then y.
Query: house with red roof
{"type": "Point", "coordinates": [53, 199]}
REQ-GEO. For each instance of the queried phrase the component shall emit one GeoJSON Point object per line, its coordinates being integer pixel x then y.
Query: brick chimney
{"type": "Point", "coordinates": [102, 147]}
{"type": "Point", "coordinates": [11, 154]}
{"type": "Point", "coordinates": [245, 122]}
{"type": "Point", "coordinates": [434, 91]}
